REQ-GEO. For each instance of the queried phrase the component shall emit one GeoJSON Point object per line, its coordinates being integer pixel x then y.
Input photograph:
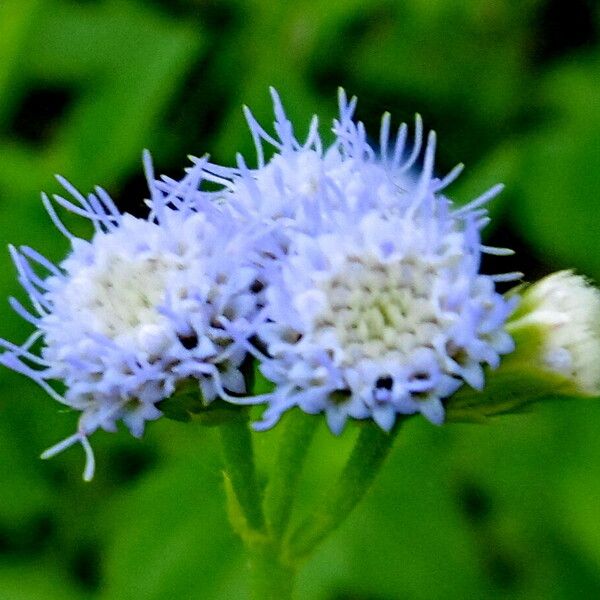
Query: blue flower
{"type": "Point", "coordinates": [375, 301]}
{"type": "Point", "coordinates": [143, 305]}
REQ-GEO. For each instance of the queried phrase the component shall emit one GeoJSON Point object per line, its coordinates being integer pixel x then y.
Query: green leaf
{"type": "Point", "coordinates": [122, 63]}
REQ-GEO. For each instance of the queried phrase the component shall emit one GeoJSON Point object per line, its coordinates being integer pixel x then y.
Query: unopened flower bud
{"type": "Point", "coordinates": [564, 309]}
{"type": "Point", "coordinates": [556, 330]}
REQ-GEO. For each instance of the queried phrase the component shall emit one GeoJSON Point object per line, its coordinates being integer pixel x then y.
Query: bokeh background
{"type": "Point", "coordinates": [511, 509]}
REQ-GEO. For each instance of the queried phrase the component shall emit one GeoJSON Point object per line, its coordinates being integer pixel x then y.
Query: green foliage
{"type": "Point", "coordinates": [465, 511]}
{"type": "Point", "coordinates": [170, 535]}
{"type": "Point", "coordinates": [558, 211]}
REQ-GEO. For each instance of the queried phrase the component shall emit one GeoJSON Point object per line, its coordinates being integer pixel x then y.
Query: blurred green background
{"type": "Point", "coordinates": [511, 509]}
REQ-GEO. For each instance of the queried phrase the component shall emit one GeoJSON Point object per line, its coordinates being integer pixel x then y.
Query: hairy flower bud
{"type": "Point", "coordinates": [556, 330]}
{"type": "Point", "coordinates": [564, 309]}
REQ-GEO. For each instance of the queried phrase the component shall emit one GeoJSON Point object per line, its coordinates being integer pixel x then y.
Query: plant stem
{"type": "Point", "coordinates": [239, 466]}
{"type": "Point", "coordinates": [270, 578]}
{"type": "Point", "coordinates": [298, 431]}
{"type": "Point", "coordinates": [367, 456]}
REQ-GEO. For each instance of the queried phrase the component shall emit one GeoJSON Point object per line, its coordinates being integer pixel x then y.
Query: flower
{"type": "Point", "coordinates": [563, 310]}
{"type": "Point", "coordinates": [385, 316]}
{"type": "Point", "coordinates": [145, 304]}
{"type": "Point", "coordinates": [375, 303]}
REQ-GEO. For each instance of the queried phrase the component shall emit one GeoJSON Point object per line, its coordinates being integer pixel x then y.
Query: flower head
{"type": "Point", "coordinates": [375, 303]}
{"type": "Point", "coordinates": [143, 305]}
{"type": "Point", "coordinates": [386, 315]}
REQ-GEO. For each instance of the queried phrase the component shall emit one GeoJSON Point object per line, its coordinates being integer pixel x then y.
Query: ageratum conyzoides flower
{"type": "Point", "coordinates": [376, 305]}
{"type": "Point", "coordinates": [143, 305]}
{"type": "Point", "coordinates": [560, 314]}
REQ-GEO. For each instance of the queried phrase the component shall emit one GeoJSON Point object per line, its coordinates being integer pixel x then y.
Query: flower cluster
{"type": "Point", "coordinates": [343, 270]}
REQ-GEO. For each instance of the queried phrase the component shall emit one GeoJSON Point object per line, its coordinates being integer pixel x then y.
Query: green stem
{"type": "Point", "coordinates": [270, 578]}
{"type": "Point", "coordinates": [296, 436]}
{"type": "Point", "coordinates": [239, 466]}
{"type": "Point", "coordinates": [367, 456]}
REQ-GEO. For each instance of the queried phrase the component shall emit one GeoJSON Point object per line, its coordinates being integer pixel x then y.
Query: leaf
{"type": "Point", "coordinates": [122, 64]}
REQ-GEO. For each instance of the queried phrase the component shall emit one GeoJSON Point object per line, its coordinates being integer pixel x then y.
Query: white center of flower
{"type": "Point", "coordinates": [120, 294]}
{"type": "Point", "coordinates": [377, 309]}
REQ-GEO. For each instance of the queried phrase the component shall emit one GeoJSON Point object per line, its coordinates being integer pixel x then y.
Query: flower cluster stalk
{"type": "Point", "coordinates": [370, 451]}
{"type": "Point", "coordinates": [238, 456]}
{"type": "Point", "coordinates": [298, 431]}
{"type": "Point", "coordinates": [270, 578]}
{"type": "Point", "coordinates": [262, 520]}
